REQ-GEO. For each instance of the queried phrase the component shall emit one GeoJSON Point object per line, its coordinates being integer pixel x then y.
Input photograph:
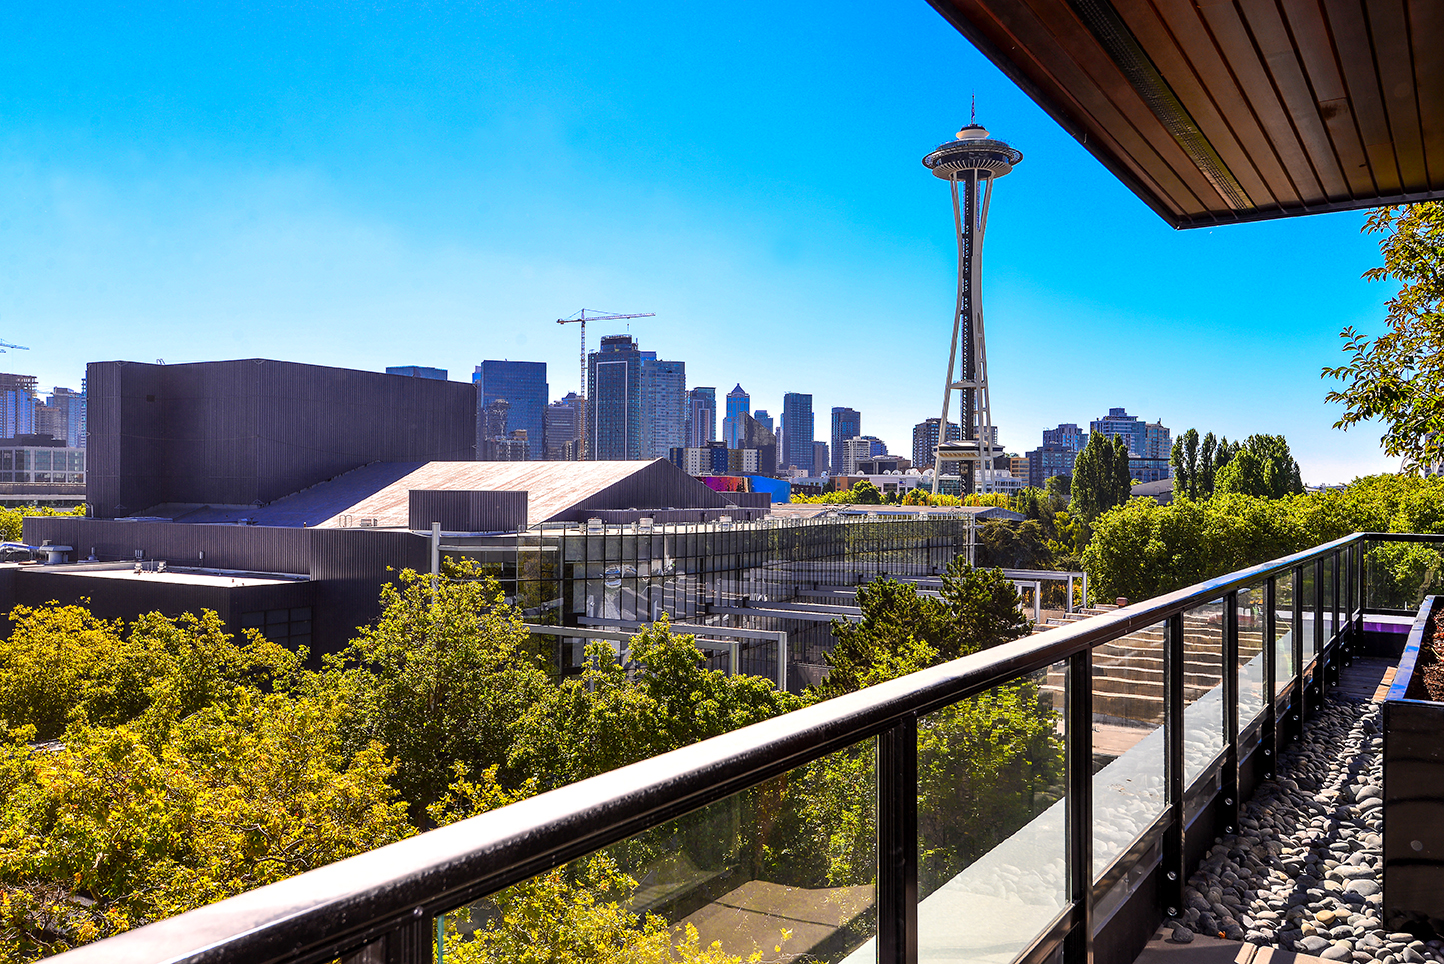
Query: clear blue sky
{"type": "Point", "coordinates": [365, 185]}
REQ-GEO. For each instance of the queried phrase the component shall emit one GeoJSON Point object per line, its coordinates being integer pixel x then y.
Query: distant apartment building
{"type": "Point", "coordinates": [738, 403]}
{"type": "Point", "coordinates": [664, 405]}
{"type": "Point", "coordinates": [524, 386]}
{"type": "Point", "coordinates": [743, 461]}
{"type": "Point", "coordinates": [1158, 442]}
{"type": "Point", "coordinates": [797, 430]}
{"type": "Point", "coordinates": [820, 461]}
{"type": "Point", "coordinates": [709, 459]}
{"type": "Point", "coordinates": [701, 417]}
{"type": "Point", "coordinates": [17, 405]}
{"type": "Point", "coordinates": [614, 400]}
{"type": "Point", "coordinates": [563, 429]}
{"type": "Point", "coordinates": [1018, 466]}
{"type": "Point", "coordinates": [62, 416]}
{"type": "Point", "coordinates": [883, 464]}
{"type": "Point", "coordinates": [854, 450]}
{"type": "Point", "coordinates": [418, 371]}
{"type": "Point", "coordinates": [1118, 422]}
{"type": "Point", "coordinates": [846, 424]}
{"type": "Point", "coordinates": [1067, 435]}
{"type": "Point", "coordinates": [925, 441]}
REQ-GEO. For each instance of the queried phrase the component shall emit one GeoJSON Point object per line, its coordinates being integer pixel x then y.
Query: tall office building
{"type": "Point", "coordinates": [524, 386]}
{"type": "Point", "coordinates": [738, 403]}
{"type": "Point", "coordinates": [614, 400]}
{"type": "Point", "coordinates": [925, 441]}
{"type": "Point", "coordinates": [17, 405]}
{"type": "Point", "coordinates": [418, 371]}
{"type": "Point", "coordinates": [563, 429]}
{"type": "Point", "coordinates": [846, 424]}
{"type": "Point", "coordinates": [664, 405]}
{"type": "Point", "coordinates": [797, 430]}
{"type": "Point", "coordinates": [701, 417]}
{"type": "Point", "coordinates": [762, 416]}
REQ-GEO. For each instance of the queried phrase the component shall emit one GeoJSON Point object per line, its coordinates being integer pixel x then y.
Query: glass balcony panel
{"type": "Point", "coordinates": [1129, 749]}
{"type": "Point", "coordinates": [1250, 655]}
{"type": "Point", "coordinates": [785, 870]}
{"type": "Point", "coordinates": [1307, 611]}
{"type": "Point", "coordinates": [1326, 588]}
{"type": "Point", "coordinates": [991, 828]}
{"type": "Point", "coordinates": [1398, 575]}
{"type": "Point", "coordinates": [1284, 668]}
{"type": "Point", "coordinates": [1202, 687]}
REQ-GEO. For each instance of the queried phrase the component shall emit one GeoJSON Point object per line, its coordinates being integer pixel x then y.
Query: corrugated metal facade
{"type": "Point", "coordinates": [461, 510]}
{"type": "Point", "coordinates": [238, 432]}
{"type": "Point", "coordinates": [347, 567]}
{"type": "Point", "coordinates": [657, 485]}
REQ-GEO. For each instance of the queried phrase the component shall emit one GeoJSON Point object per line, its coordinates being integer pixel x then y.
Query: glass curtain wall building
{"type": "Point", "coordinates": [701, 417]}
{"type": "Point", "coordinates": [524, 387]}
{"type": "Point", "coordinates": [797, 436]}
{"type": "Point", "coordinates": [846, 424]}
{"type": "Point", "coordinates": [711, 574]}
{"type": "Point", "coordinates": [614, 405]}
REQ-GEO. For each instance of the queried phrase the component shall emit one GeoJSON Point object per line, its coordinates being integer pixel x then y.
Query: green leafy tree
{"type": "Point", "coordinates": [612, 715]}
{"type": "Point", "coordinates": [1060, 490]}
{"type": "Point", "coordinates": [1100, 477]}
{"type": "Point", "coordinates": [126, 825]}
{"type": "Point", "coordinates": [1204, 474]}
{"type": "Point", "coordinates": [1263, 467]}
{"type": "Point", "coordinates": [60, 664]}
{"type": "Point", "coordinates": [865, 493]}
{"type": "Point", "coordinates": [902, 630]}
{"type": "Point", "coordinates": [443, 676]}
{"type": "Point", "coordinates": [12, 520]}
{"type": "Point", "coordinates": [1398, 377]}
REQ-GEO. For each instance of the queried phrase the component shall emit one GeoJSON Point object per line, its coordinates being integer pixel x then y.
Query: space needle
{"type": "Point", "coordinates": [970, 163]}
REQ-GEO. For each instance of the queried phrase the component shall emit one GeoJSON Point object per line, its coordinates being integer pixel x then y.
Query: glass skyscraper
{"type": "Point", "coordinates": [846, 424]}
{"type": "Point", "coordinates": [524, 386]}
{"type": "Point", "coordinates": [797, 435]}
{"type": "Point", "coordinates": [614, 400]}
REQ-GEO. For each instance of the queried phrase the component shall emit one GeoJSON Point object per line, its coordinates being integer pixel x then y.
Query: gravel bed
{"type": "Point", "coordinates": [1304, 871]}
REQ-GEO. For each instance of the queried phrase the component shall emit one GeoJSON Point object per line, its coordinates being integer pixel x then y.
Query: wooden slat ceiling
{"type": "Point", "coordinates": [1215, 111]}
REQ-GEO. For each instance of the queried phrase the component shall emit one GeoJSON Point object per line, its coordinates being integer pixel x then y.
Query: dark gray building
{"type": "Point", "coordinates": [253, 430]}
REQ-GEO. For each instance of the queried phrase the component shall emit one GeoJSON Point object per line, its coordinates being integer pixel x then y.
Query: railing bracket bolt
{"type": "Point", "coordinates": [1173, 875]}
{"type": "Point", "coordinates": [1173, 912]}
{"type": "Point", "coordinates": [1228, 801]}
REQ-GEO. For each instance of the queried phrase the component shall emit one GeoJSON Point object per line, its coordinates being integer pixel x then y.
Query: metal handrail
{"type": "Point", "coordinates": [341, 907]}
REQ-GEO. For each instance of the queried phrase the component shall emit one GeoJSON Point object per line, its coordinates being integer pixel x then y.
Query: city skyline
{"type": "Point", "coordinates": [253, 183]}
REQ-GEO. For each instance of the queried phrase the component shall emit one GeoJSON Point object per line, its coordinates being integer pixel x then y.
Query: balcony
{"type": "Point", "coordinates": [1044, 800]}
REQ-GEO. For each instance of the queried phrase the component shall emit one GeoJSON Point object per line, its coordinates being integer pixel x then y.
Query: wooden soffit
{"type": "Point", "coordinates": [1216, 111]}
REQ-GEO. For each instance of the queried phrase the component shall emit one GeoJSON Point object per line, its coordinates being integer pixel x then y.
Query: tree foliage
{"type": "Point", "coordinates": [1143, 549]}
{"type": "Point", "coordinates": [1100, 477]}
{"type": "Point", "coordinates": [1398, 376]}
{"type": "Point", "coordinates": [12, 520]}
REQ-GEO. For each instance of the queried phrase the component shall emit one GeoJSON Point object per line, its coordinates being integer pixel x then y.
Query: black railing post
{"type": "Point", "coordinates": [411, 943]}
{"type": "Point", "coordinates": [1173, 853]}
{"type": "Point", "coordinates": [1317, 684]}
{"type": "Point", "coordinates": [1341, 639]}
{"type": "Point", "coordinates": [1299, 704]}
{"type": "Point", "coordinates": [1228, 813]}
{"type": "Point", "coordinates": [1270, 734]}
{"type": "Point", "coordinates": [897, 845]}
{"type": "Point", "coordinates": [1079, 733]}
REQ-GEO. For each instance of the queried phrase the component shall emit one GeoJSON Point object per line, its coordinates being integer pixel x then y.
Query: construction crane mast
{"type": "Point", "coordinates": [582, 317]}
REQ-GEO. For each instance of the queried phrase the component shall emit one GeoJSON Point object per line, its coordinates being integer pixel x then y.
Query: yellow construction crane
{"type": "Point", "coordinates": [583, 317]}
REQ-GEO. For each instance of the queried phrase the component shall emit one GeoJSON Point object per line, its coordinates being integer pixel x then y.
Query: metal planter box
{"type": "Point", "coordinates": [1414, 794]}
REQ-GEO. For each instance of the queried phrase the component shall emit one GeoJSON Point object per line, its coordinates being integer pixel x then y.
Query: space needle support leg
{"type": "Point", "coordinates": [953, 353]}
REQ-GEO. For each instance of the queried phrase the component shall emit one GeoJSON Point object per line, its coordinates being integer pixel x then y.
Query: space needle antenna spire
{"type": "Point", "coordinates": [970, 163]}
